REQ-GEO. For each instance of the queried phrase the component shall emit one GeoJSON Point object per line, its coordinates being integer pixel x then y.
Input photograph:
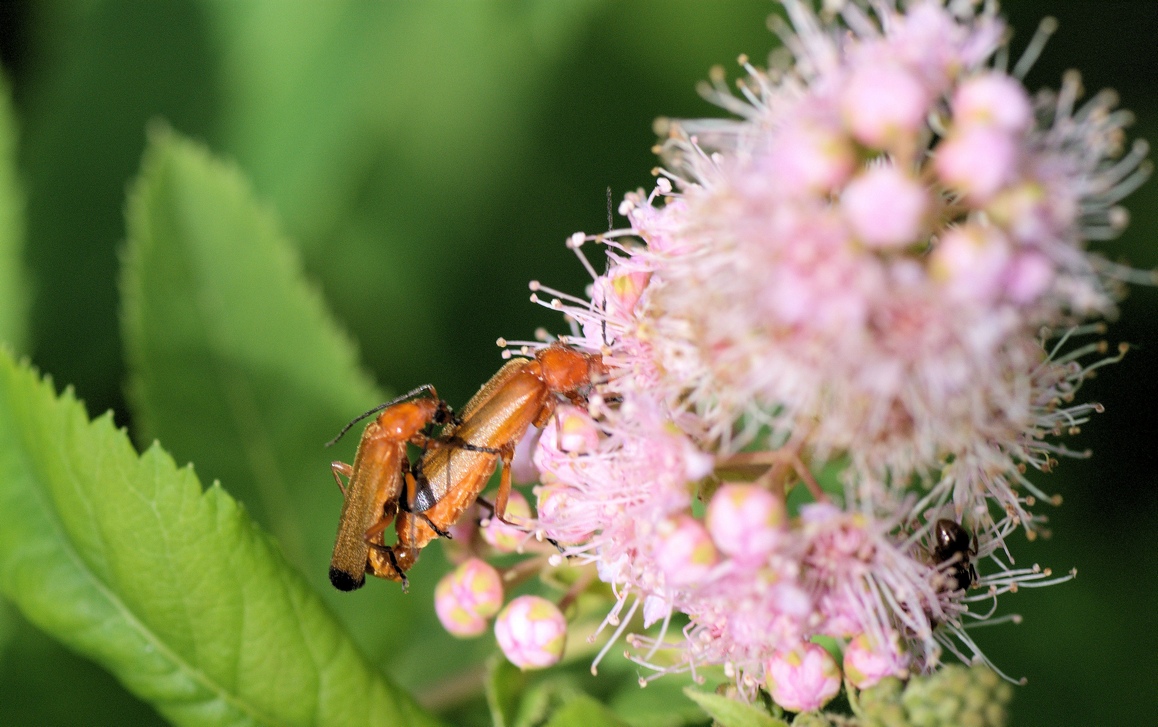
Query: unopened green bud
{"type": "Point", "coordinates": [957, 696]}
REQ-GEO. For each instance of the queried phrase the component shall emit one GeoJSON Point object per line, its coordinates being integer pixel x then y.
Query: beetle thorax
{"type": "Point", "coordinates": [563, 368]}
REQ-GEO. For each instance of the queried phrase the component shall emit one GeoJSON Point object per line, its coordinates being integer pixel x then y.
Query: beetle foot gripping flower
{"type": "Point", "coordinates": [878, 268]}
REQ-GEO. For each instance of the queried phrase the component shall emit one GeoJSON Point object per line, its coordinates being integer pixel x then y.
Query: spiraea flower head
{"type": "Point", "coordinates": [879, 269]}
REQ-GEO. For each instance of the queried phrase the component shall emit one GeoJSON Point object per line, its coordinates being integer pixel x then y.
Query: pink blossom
{"type": "Point", "coordinates": [803, 679]}
{"type": "Point", "coordinates": [992, 99]}
{"type": "Point", "coordinates": [872, 270]}
{"type": "Point", "coordinates": [509, 538]}
{"type": "Point", "coordinates": [523, 469]}
{"type": "Point", "coordinates": [531, 632]}
{"type": "Point", "coordinates": [467, 597]}
{"type": "Point", "coordinates": [1028, 276]}
{"type": "Point", "coordinates": [885, 207]}
{"type": "Point", "coordinates": [555, 516]}
{"type": "Point", "coordinates": [575, 431]}
{"type": "Point", "coordinates": [867, 661]}
{"type": "Point", "coordinates": [972, 261]}
{"type": "Point", "coordinates": [977, 162]}
{"type": "Point", "coordinates": [684, 550]}
{"type": "Point", "coordinates": [745, 522]}
{"type": "Point", "coordinates": [811, 157]}
{"type": "Point", "coordinates": [883, 103]}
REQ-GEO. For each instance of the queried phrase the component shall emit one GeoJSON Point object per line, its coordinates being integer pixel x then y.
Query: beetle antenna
{"type": "Point", "coordinates": [610, 219]}
{"type": "Point", "coordinates": [408, 395]}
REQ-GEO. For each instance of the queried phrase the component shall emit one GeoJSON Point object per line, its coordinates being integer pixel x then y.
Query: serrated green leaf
{"type": "Point", "coordinates": [13, 276]}
{"type": "Point", "coordinates": [238, 367]}
{"type": "Point", "coordinates": [584, 711]}
{"type": "Point", "coordinates": [733, 713]}
{"type": "Point", "coordinates": [125, 559]}
{"type": "Point", "coordinates": [235, 363]}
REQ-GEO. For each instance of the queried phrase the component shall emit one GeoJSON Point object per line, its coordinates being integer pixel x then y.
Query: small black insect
{"type": "Point", "coordinates": [952, 546]}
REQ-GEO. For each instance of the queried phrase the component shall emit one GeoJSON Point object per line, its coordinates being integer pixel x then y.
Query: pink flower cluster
{"type": "Point", "coordinates": [880, 265]}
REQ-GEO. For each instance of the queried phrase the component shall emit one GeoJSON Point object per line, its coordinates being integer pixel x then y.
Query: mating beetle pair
{"type": "Point", "coordinates": [425, 499]}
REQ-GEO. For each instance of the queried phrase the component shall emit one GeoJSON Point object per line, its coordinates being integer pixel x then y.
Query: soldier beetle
{"type": "Point", "coordinates": [524, 392]}
{"type": "Point", "coordinates": [376, 480]}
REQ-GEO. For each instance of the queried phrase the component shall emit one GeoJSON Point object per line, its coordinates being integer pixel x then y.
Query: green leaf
{"type": "Point", "coordinates": [13, 276]}
{"type": "Point", "coordinates": [7, 626]}
{"type": "Point", "coordinates": [92, 74]}
{"type": "Point", "coordinates": [33, 670]}
{"type": "Point", "coordinates": [733, 713]}
{"type": "Point", "coordinates": [660, 704]}
{"type": "Point", "coordinates": [125, 559]}
{"type": "Point", "coordinates": [542, 697]}
{"type": "Point", "coordinates": [235, 363]}
{"type": "Point", "coordinates": [361, 122]}
{"type": "Point", "coordinates": [584, 711]}
{"type": "Point", "coordinates": [504, 684]}
{"type": "Point", "coordinates": [237, 366]}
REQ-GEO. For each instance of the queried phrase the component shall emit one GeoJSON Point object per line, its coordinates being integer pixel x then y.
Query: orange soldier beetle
{"type": "Point", "coordinates": [525, 391]}
{"type": "Point", "coordinates": [381, 470]}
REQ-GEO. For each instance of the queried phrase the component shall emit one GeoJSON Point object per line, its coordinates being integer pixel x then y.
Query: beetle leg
{"type": "Point", "coordinates": [545, 412]}
{"type": "Point", "coordinates": [374, 532]}
{"type": "Point", "coordinates": [441, 533]}
{"type": "Point", "coordinates": [392, 560]}
{"type": "Point", "coordinates": [341, 468]}
{"type": "Point", "coordinates": [500, 506]}
{"type": "Point", "coordinates": [576, 398]}
{"type": "Point", "coordinates": [491, 508]}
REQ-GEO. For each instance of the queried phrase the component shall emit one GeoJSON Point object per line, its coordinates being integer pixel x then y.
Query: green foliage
{"type": "Point", "coordinates": [427, 159]}
{"type": "Point", "coordinates": [235, 363]}
{"type": "Point", "coordinates": [13, 277]}
{"type": "Point", "coordinates": [583, 711]}
{"type": "Point", "coordinates": [125, 559]}
{"type": "Point", "coordinates": [730, 712]}
{"type": "Point", "coordinates": [412, 107]}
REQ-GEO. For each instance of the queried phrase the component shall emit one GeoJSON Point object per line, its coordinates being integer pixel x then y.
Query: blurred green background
{"type": "Point", "coordinates": [429, 159]}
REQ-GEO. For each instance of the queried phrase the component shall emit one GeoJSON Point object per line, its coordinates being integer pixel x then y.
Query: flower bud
{"type": "Point", "coordinates": [508, 538]}
{"type": "Point", "coordinates": [958, 695]}
{"type": "Point", "coordinates": [972, 262]}
{"type": "Point", "coordinates": [992, 99]}
{"type": "Point", "coordinates": [684, 551]}
{"type": "Point", "coordinates": [883, 104]}
{"type": "Point", "coordinates": [866, 663]}
{"type": "Point", "coordinates": [577, 432]}
{"type": "Point", "coordinates": [623, 290]}
{"type": "Point", "coordinates": [977, 162]}
{"type": "Point", "coordinates": [1028, 276]}
{"type": "Point", "coordinates": [467, 596]}
{"type": "Point", "coordinates": [811, 158]}
{"type": "Point", "coordinates": [885, 207]}
{"type": "Point", "coordinates": [531, 632]}
{"type": "Point", "coordinates": [745, 521]}
{"type": "Point", "coordinates": [802, 679]}
{"type": "Point", "coordinates": [558, 518]}
{"type": "Point", "coordinates": [523, 468]}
